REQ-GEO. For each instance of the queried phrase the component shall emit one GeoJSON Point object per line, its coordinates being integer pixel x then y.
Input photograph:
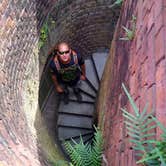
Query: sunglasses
{"type": "Point", "coordinates": [64, 52]}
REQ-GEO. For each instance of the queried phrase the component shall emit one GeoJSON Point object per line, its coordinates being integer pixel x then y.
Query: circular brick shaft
{"type": "Point", "coordinates": [86, 25]}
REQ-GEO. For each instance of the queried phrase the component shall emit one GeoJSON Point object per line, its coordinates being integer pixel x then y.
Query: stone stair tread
{"type": "Point", "coordinates": [85, 87]}
{"type": "Point", "coordinates": [90, 73]}
{"type": "Point", "coordinates": [100, 60]}
{"type": "Point", "coordinates": [85, 97]}
{"type": "Point", "coordinates": [64, 133]}
{"type": "Point", "coordinates": [77, 108]}
{"type": "Point", "coordinates": [75, 121]}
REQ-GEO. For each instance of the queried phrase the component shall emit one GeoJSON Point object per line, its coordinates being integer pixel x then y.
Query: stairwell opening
{"type": "Point", "coordinates": [88, 26]}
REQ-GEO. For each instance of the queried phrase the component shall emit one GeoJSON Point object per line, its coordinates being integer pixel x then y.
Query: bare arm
{"type": "Point", "coordinates": [58, 88]}
{"type": "Point", "coordinates": [83, 72]}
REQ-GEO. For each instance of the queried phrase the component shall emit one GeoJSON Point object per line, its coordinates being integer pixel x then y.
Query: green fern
{"type": "Point", "coordinates": [140, 127]}
{"type": "Point", "coordinates": [157, 156]}
{"type": "Point", "coordinates": [129, 33]}
{"type": "Point", "coordinates": [86, 154]}
{"type": "Point", "coordinates": [116, 3]}
{"type": "Point", "coordinates": [138, 124]}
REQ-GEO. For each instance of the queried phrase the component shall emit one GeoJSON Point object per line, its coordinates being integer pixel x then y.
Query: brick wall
{"type": "Point", "coordinates": [19, 22]}
{"type": "Point", "coordinates": [86, 25]}
{"type": "Point", "coordinates": [141, 65]}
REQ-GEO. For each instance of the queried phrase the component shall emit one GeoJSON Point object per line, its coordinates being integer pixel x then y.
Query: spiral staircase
{"type": "Point", "coordinates": [77, 119]}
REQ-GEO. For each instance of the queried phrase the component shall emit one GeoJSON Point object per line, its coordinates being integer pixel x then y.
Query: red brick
{"type": "Point", "coordinates": [159, 45]}
{"type": "Point", "coordinates": [130, 158]}
{"type": "Point", "coordinates": [139, 21]}
{"type": "Point", "coordinates": [158, 7]}
{"type": "Point", "coordinates": [151, 98]}
{"type": "Point", "coordinates": [117, 158]}
{"type": "Point", "coordinates": [122, 159]}
{"type": "Point", "coordinates": [160, 72]}
{"type": "Point", "coordinates": [150, 4]}
{"type": "Point", "coordinates": [145, 9]}
{"type": "Point", "coordinates": [150, 22]}
{"type": "Point", "coordinates": [159, 23]}
{"type": "Point", "coordinates": [160, 105]}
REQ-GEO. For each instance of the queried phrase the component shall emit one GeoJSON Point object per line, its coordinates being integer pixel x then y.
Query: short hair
{"type": "Point", "coordinates": [62, 43]}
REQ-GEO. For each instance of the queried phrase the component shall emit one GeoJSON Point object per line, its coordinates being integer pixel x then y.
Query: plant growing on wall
{"type": "Point", "coordinates": [129, 33]}
{"type": "Point", "coordinates": [86, 154]}
{"type": "Point", "coordinates": [140, 127]}
{"type": "Point", "coordinates": [43, 35]}
{"type": "Point", "coordinates": [116, 3]}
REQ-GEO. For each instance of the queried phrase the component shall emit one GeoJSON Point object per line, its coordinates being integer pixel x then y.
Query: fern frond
{"type": "Point", "coordinates": [131, 125]}
{"type": "Point", "coordinates": [161, 127]}
{"type": "Point", "coordinates": [139, 126]}
{"type": "Point", "coordinates": [86, 154]}
{"type": "Point", "coordinates": [143, 113]}
{"type": "Point", "coordinates": [141, 129]}
{"type": "Point", "coordinates": [128, 114]}
{"type": "Point", "coordinates": [97, 149]}
{"type": "Point", "coordinates": [135, 108]}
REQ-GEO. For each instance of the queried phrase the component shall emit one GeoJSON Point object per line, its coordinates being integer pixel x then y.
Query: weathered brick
{"type": "Point", "coordinates": [159, 45]}
{"type": "Point", "coordinates": [146, 70]}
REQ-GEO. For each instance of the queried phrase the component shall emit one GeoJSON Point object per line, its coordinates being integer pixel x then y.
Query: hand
{"type": "Point", "coordinates": [59, 89]}
{"type": "Point", "coordinates": [83, 77]}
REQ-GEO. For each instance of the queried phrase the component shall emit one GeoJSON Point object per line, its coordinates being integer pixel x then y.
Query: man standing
{"type": "Point", "coordinates": [67, 69]}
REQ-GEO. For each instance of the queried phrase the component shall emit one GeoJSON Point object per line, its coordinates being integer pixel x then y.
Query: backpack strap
{"type": "Point", "coordinates": [58, 67]}
{"type": "Point", "coordinates": [75, 57]}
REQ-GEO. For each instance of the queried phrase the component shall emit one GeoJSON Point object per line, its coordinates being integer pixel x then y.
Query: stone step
{"type": "Point", "coordinates": [66, 133]}
{"type": "Point", "coordinates": [85, 97]}
{"type": "Point", "coordinates": [100, 60]}
{"type": "Point", "coordinates": [90, 73]}
{"type": "Point", "coordinates": [85, 87]}
{"type": "Point", "coordinates": [77, 108]}
{"type": "Point", "coordinates": [74, 121]}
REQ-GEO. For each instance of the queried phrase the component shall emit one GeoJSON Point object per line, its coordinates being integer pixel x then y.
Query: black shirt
{"type": "Point", "coordinates": [68, 73]}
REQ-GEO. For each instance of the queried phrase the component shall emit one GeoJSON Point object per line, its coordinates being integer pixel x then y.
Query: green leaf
{"type": "Point", "coordinates": [143, 113]}
{"type": "Point", "coordinates": [147, 123]}
{"type": "Point", "coordinates": [149, 128]}
{"type": "Point", "coordinates": [132, 125]}
{"type": "Point", "coordinates": [136, 110]}
{"type": "Point", "coordinates": [132, 130]}
{"type": "Point", "coordinates": [130, 118]}
{"type": "Point", "coordinates": [147, 135]}
{"type": "Point", "coordinates": [85, 154]}
{"type": "Point", "coordinates": [129, 115]}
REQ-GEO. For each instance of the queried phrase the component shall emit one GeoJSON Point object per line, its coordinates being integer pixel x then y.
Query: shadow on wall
{"type": "Point", "coordinates": [45, 118]}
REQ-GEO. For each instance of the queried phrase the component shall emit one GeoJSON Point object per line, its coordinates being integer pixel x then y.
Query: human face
{"type": "Point", "coordinates": [64, 52]}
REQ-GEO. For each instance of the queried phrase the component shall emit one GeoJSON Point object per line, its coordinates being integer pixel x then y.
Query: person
{"type": "Point", "coordinates": [67, 69]}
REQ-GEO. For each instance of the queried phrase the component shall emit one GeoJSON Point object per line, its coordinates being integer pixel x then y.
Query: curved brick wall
{"type": "Point", "coordinates": [20, 122]}
{"type": "Point", "coordinates": [141, 65]}
{"type": "Point", "coordinates": [87, 25]}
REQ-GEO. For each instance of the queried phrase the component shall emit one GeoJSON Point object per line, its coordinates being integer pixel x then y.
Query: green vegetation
{"type": "Point", "coordinates": [116, 3]}
{"type": "Point", "coordinates": [43, 35]}
{"type": "Point", "coordinates": [140, 127]}
{"type": "Point", "coordinates": [130, 33]}
{"type": "Point", "coordinates": [86, 154]}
